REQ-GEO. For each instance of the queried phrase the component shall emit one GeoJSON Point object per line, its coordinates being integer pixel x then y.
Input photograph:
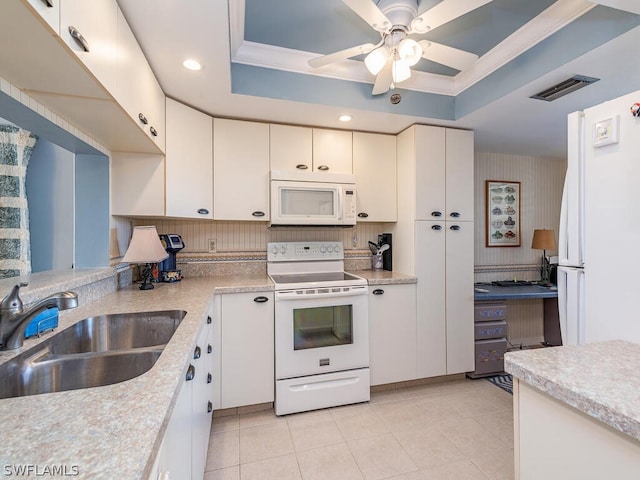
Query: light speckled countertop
{"type": "Point", "coordinates": [384, 277]}
{"type": "Point", "coordinates": [114, 431]}
{"type": "Point", "coordinates": [601, 380]}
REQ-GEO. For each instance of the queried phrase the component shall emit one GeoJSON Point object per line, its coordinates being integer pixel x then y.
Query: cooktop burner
{"type": "Point", "coordinates": [330, 277]}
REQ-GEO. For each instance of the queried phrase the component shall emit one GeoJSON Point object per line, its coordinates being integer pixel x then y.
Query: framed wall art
{"type": "Point", "coordinates": [503, 213]}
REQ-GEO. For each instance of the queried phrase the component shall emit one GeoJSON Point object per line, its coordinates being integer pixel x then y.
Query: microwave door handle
{"type": "Point", "coordinates": [339, 193]}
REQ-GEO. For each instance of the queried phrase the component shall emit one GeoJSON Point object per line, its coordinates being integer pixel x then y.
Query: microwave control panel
{"type": "Point", "coordinates": [304, 251]}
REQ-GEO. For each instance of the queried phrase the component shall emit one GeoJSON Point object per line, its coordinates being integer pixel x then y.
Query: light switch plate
{"type": "Point", "coordinates": [605, 132]}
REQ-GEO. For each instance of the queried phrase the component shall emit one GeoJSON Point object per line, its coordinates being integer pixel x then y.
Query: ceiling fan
{"type": "Point", "coordinates": [392, 58]}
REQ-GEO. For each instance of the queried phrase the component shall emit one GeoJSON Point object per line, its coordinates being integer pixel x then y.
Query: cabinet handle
{"type": "Point", "coordinates": [301, 166]}
{"type": "Point", "coordinates": [48, 3]}
{"type": "Point", "coordinates": [209, 407]}
{"type": "Point", "coordinates": [153, 131]}
{"type": "Point", "coordinates": [258, 213]}
{"type": "Point", "coordinates": [261, 299]}
{"type": "Point", "coordinates": [203, 211]}
{"type": "Point", "coordinates": [363, 215]}
{"type": "Point", "coordinates": [323, 168]}
{"type": "Point", "coordinates": [436, 213]}
{"type": "Point", "coordinates": [197, 353]}
{"type": "Point", "coordinates": [142, 118]}
{"type": "Point", "coordinates": [77, 36]}
{"type": "Point", "coordinates": [209, 320]}
{"type": "Point", "coordinates": [191, 373]}
{"type": "Point", "coordinates": [209, 349]}
{"type": "Point", "coordinates": [454, 214]}
{"type": "Point", "coordinates": [378, 291]}
{"type": "Point", "coordinates": [436, 227]}
{"type": "Point", "coordinates": [454, 227]}
{"type": "Point", "coordinates": [209, 378]}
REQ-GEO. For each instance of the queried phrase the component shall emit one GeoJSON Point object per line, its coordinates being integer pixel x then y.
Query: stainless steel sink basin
{"type": "Point", "coordinates": [117, 332]}
{"type": "Point", "coordinates": [46, 373]}
{"type": "Point", "coordinates": [96, 351]}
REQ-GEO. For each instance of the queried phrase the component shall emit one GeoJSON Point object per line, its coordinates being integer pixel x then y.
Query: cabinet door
{"type": "Point", "coordinates": [459, 175]}
{"type": "Point", "coordinates": [137, 184]}
{"type": "Point", "coordinates": [95, 23]}
{"type": "Point", "coordinates": [202, 405]}
{"type": "Point", "coordinates": [392, 333]}
{"type": "Point", "coordinates": [290, 148]}
{"type": "Point", "coordinates": [177, 438]}
{"type": "Point", "coordinates": [240, 170]}
{"type": "Point", "coordinates": [459, 295]}
{"type": "Point", "coordinates": [430, 172]}
{"type": "Point", "coordinates": [49, 10]}
{"type": "Point", "coordinates": [189, 160]}
{"type": "Point", "coordinates": [374, 165]}
{"type": "Point", "coordinates": [332, 151]}
{"type": "Point", "coordinates": [137, 89]}
{"type": "Point", "coordinates": [431, 311]}
{"type": "Point", "coordinates": [247, 349]}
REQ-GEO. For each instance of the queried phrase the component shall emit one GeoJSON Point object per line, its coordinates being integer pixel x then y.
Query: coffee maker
{"type": "Point", "coordinates": [172, 243]}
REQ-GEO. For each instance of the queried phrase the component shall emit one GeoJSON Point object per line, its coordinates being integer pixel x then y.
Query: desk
{"type": "Point", "coordinates": [549, 295]}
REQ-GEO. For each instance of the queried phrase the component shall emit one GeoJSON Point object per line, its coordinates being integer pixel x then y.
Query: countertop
{"type": "Point", "coordinates": [384, 277]}
{"type": "Point", "coordinates": [513, 293]}
{"type": "Point", "coordinates": [601, 380]}
{"type": "Point", "coordinates": [114, 431]}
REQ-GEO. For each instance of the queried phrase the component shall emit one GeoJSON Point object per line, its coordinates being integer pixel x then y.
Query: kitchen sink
{"type": "Point", "coordinates": [118, 331]}
{"type": "Point", "coordinates": [96, 351]}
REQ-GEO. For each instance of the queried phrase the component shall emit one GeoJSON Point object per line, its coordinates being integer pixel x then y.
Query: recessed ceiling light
{"type": "Point", "coordinates": [192, 64]}
{"type": "Point", "coordinates": [345, 118]}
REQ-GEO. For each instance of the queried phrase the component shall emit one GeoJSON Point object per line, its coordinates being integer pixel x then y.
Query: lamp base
{"type": "Point", "coordinates": [146, 285]}
{"type": "Point", "coordinates": [146, 278]}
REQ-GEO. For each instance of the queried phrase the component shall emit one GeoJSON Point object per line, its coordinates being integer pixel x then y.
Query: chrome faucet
{"type": "Point", "coordinates": [14, 320]}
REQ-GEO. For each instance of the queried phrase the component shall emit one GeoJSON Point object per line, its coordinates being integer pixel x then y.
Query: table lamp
{"type": "Point", "coordinates": [544, 240]}
{"type": "Point", "coordinates": [145, 248]}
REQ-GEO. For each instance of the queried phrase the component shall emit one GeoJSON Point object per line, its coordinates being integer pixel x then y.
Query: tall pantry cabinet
{"type": "Point", "coordinates": [433, 240]}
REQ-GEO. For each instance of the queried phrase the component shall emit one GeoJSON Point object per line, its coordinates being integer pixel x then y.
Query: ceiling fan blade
{"type": "Point", "coordinates": [341, 55]}
{"type": "Point", "coordinates": [449, 56]}
{"type": "Point", "coordinates": [444, 12]}
{"type": "Point", "coordinates": [370, 13]}
{"type": "Point", "coordinates": [384, 78]}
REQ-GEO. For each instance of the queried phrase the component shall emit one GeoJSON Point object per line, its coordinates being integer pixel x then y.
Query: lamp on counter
{"type": "Point", "coordinates": [145, 248]}
{"type": "Point", "coordinates": [544, 240]}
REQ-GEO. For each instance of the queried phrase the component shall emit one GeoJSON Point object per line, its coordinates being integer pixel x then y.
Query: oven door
{"type": "Point", "coordinates": [321, 330]}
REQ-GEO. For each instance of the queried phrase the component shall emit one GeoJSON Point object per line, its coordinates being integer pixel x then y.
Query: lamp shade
{"type": "Point", "coordinates": [544, 240]}
{"type": "Point", "coordinates": [145, 246]}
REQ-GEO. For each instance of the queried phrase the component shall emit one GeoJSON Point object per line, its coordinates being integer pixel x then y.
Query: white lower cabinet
{"type": "Point", "coordinates": [392, 333]}
{"type": "Point", "coordinates": [183, 454]}
{"type": "Point", "coordinates": [247, 356]}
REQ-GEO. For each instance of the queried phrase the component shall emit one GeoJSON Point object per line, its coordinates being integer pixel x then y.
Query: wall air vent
{"type": "Point", "coordinates": [565, 87]}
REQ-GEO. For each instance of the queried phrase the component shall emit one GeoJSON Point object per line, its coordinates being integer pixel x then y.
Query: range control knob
{"type": "Point", "coordinates": [330, 249]}
{"type": "Point", "coordinates": [274, 249]}
{"type": "Point", "coordinates": [337, 248]}
{"type": "Point", "coordinates": [283, 249]}
{"type": "Point", "coordinates": [323, 249]}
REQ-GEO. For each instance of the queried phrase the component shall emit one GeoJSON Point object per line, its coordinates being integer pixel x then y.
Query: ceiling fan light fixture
{"type": "Point", "coordinates": [409, 51]}
{"type": "Point", "coordinates": [400, 72]}
{"type": "Point", "coordinates": [376, 60]}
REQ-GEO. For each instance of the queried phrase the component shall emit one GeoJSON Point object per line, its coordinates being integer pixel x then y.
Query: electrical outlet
{"type": "Point", "coordinates": [213, 245]}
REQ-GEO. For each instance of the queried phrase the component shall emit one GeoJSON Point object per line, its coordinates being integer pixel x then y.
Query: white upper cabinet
{"type": "Point", "coordinates": [137, 89]}
{"type": "Point", "coordinates": [189, 162]}
{"type": "Point", "coordinates": [374, 165]}
{"type": "Point", "coordinates": [49, 10]}
{"type": "Point", "coordinates": [137, 184]}
{"type": "Point", "coordinates": [332, 151]}
{"type": "Point", "coordinates": [240, 170]}
{"type": "Point", "coordinates": [430, 171]}
{"type": "Point", "coordinates": [459, 178]}
{"type": "Point", "coordinates": [290, 148]}
{"type": "Point", "coordinates": [90, 31]}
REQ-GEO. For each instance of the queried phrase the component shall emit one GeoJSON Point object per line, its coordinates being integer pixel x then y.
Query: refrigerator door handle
{"type": "Point", "coordinates": [562, 303]}
{"type": "Point", "coordinates": [563, 249]}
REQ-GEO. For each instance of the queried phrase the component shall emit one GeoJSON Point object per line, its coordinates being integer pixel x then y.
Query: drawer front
{"type": "Point", "coordinates": [489, 312]}
{"type": "Point", "coordinates": [490, 356]}
{"type": "Point", "coordinates": [484, 330]}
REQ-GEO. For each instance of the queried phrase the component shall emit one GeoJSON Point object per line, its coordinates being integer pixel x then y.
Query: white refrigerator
{"type": "Point", "coordinates": [599, 233]}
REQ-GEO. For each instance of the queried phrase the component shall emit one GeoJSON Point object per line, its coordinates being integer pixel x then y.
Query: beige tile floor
{"type": "Point", "coordinates": [455, 430]}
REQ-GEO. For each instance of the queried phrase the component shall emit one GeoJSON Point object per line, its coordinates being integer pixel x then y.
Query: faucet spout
{"type": "Point", "coordinates": [14, 319]}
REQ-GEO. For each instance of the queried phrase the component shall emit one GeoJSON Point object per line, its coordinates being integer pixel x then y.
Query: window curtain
{"type": "Point", "coordinates": [16, 146]}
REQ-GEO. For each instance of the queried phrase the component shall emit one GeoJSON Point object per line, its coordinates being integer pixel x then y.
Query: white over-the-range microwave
{"type": "Point", "coordinates": [312, 198]}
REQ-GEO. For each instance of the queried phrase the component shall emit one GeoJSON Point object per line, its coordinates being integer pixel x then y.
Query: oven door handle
{"type": "Point", "coordinates": [292, 295]}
